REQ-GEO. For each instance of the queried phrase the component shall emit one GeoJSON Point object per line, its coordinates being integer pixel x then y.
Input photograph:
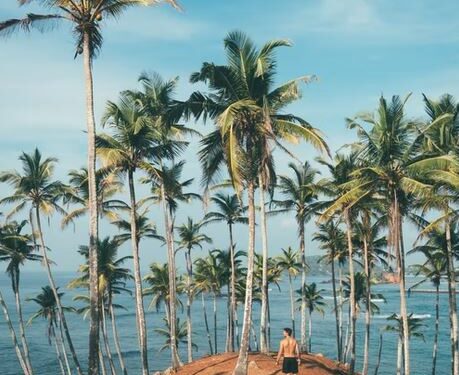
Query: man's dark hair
{"type": "Point", "coordinates": [289, 331]}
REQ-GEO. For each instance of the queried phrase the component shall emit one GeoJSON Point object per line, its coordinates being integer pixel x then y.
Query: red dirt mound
{"type": "Point", "coordinates": [259, 364]}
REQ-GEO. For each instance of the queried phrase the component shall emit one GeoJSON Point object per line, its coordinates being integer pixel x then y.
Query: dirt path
{"type": "Point", "coordinates": [259, 364]}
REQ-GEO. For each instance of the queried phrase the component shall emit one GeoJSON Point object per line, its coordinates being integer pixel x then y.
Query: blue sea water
{"type": "Point", "coordinates": [323, 339]}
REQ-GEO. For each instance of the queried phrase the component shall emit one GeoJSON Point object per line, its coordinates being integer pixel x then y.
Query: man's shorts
{"type": "Point", "coordinates": [290, 365]}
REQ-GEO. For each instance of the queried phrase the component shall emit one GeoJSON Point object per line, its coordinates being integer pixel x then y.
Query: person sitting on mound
{"type": "Point", "coordinates": [291, 353]}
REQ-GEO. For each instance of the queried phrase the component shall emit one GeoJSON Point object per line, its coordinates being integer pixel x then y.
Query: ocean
{"type": "Point", "coordinates": [44, 360]}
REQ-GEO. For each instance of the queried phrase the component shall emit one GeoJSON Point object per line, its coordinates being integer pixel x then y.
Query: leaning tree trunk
{"type": "Point", "coordinates": [106, 342]}
{"type": "Point", "coordinates": [189, 270]}
{"type": "Point", "coordinates": [310, 333]}
{"type": "Point", "coordinates": [233, 312]}
{"type": "Point", "coordinates": [353, 316]}
{"type": "Point", "coordinates": [175, 360]}
{"type": "Point", "coordinates": [62, 344]}
{"type": "Point", "coordinates": [378, 363]}
{"type": "Point", "coordinates": [206, 323]}
{"type": "Point", "coordinates": [25, 345]}
{"type": "Point", "coordinates": [400, 254]}
{"type": "Point", "coordinates": [366, 261]}
{"type": "Point", "coordinates": [452, 297]}
{"type": "Point", "coordinates": [58, 352]}
{"type": "Point", "coordinates": [292, 303]}
{"type": "Point", "coordinates": [264, 283]}
{"type": "Point", "coordinates": [241, 365]}
{"type": "Point", "coordinates": [335, 305]}
{"type": "Point", "coordinates": [341, 326]}
{"type": "Point", "coordinates": [215, 322]}
{"type": "Point", "coordinates": [437, 324]}
{"type": "Point", "coordinates": [304, 269]}
{"type": "Point", "coordinates": [116, 337]}
{"type": "Point", "coordinates": [399, 355]}
{"type": "Point", "coordinates": [19, 353]}
{"type": "Point", "coordinates": [93, 348]}
{"type": "Point", "coordinates": [52, 284]}
{"type": "Point", "coordinates": [139, 309]}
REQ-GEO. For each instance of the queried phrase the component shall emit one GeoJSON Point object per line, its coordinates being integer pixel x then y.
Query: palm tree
{"type": "Point", "coordinates": [17, 248]}
{"type": "Point", "coordinates": [48, 310]}
{"type": "Point", "coordinates": [112, 281]}
{"type": "Point", "coordinates": [85, 18]}
{"type": "Point", "coordinates": [229, 210]}
{"type": "Point", "coordinates": [36, 189]}
{"type": "Point", "coordinates": [414, 330]}
{"type": "Point", "coordinates": [246, 109]}
{"type": "Point", "coordinates": [314, 302]}
{"type": "Point", "coordinates": [433, 269]}
{"type": "Point", "coordinates": [181, 335]}
{"type": "Point", "coordinates": [209, 277]}
{"type": "Point", "coordinates": [288, 261]}
{"type": "Point", "coordinates": [300, 193]}
{"type": "Point", "coordinates": [190, 237]}
{"type": "Point", "coordinates": [332, 239]}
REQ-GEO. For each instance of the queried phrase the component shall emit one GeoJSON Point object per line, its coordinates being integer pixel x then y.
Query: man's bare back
{"type": "Point", "coordinates": [289, 347]}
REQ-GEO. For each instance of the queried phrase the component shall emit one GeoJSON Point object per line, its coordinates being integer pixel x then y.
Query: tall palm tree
{"type": "Point", "coordinates": [210, 276]}
{"type": "Point", "coordinates": [190, 237]}
{"type": "Point", "coordinates": [36, 189]}
{"type": "Point", "coordinates": [433, 269]}
{"type": "Point", "coordinates": [246, 109]}
{"type": "Point", "coordinates": [288, 262]}
{"type": "Point", "coordinates": [48, 310]}
{"type": "Point", "coordinates": [332, 239]}
{"type": "Point", "coordinates": [85, 18]}
{"type": "Point", "coordinates": [16, 249]}
{"type": "Point", "coordinates": [230, 211]}
{"type": "Point", "coordinates": [300, 193]}
{"type": "Point", "coordinates": [314, 302]}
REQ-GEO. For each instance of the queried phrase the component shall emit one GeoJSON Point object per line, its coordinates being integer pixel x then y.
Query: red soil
{"type": "Point", "coordinates": [260, 364]}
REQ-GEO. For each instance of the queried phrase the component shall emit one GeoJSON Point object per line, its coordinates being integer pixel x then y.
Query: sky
{"type": "Point", "coordinates": [358, 49]}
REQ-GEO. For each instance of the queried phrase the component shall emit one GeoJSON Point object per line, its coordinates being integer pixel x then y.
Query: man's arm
{"type": "Point", "coordinates": [281, 351]}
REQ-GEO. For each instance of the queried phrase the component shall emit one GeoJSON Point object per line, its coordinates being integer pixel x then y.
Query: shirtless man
{"type": "Point", "coordinates": [291, 353]}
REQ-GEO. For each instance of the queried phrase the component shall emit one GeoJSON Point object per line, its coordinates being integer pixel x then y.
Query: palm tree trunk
{"type": "Point", "coordinates": [189, 269]}
{"type": "Point", "coordinates": [102, 361]}
{"type": "Point", "coordinates": [56, 296]}
{"type": "Point", "coordinates": [335, 305]}
{"type": "Point", "coordinates": [366, 260]}
{"type": "Point", "coordinates": [341, 326]}
{"type": "Point", "coordinates": [93, 348]}
{"type": "Point", "coordinates": [378, 363]}
{"type": "Point", "coordinates": [206, 323]}
{"type": "Point", "coordinates": [228, 317]}
{"type": "Point", "coordinates": [139, 308]}
{"type": "Point", "coordinates": [106, 342]}
{"type": "Point", "coordinates": [241, 365]}
{"type": "Point", "coordinates": [400, 254]}
{"type": "Point", "coordinates": [58, 352]}
{"type": "Point", "coordinates": [292, 303]}
{"type": "Point", "coordinates": [25, 345]}
{"type": "Point", "coordinates": [437, 324]}
{"type": "Point", "coordinates": [264, 282]}
{"type": "Point", "coordinates": [236, 329]}
{"type": "Point", "coordinates": [269, 324]}
{"type": "Point", "coordinates": [399, 356]}
{"type": "Point", "coordinates": [233, 291]}
{"type": "Point", "coordinates": [215, 323]}
{"type": "Point", "coordinates": [304, 270]}
{"type": "Point", "coordinates": [452, 297]}
{"type": "Point", "coordinates": [175, 360]}
{"type": "Point", "coordinates": [310, 333]}
{"type": "Point", "coordinates": [19, 353]}
{"type": "Point", "coordinates": [254, 335]}
{"type": "Point", "coordinates": [62, 343]}
{"type": "Point", "coordinates": [353, 316]}
{"type": "Point", "coordinates": [116, 338]}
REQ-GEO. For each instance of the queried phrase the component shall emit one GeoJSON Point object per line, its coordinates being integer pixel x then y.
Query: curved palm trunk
{"type": "Point", "coordinates": [437, 324]}
{"type": "Point", "coordinates": [236, 329]}
{"type": "Point", "coordinates": [19, 353]}
{"type": "Point", "coordinates": [400, 254]}
{"type": "Point", "coordinates": [228, 318]}
{"type": "Point", "coordinates": [341, 325]}
{"type": "Point", "coordinates": [175, 360]}
{"type": "Point", "coordinates": [335, 305]}
{"type": "Point", "coordinates": [255, 338]}
{"type": "Point", "coordinates": [399, 356]}
{"type": "Point", "coordinates": [62, 344]}
{"type": "Point", "coordinates": [292, 303]}
{"type": "Point", "coordinates": [56, 347]}
{"type": "Point", "coordinates": [206, 323]}
{"type": "Point", "coordinates": [233, 317]}
{"type": "Point", "coordinates": [310, 333]}
{"type": "Point", "coordinates": [304, 269]}
{"type": "Point", "coordinates": [139, 309]}
{"type": "Point", "coordinates": [52, 284]}
{"type": "Point", "coordinates": [452, 298]}
{"type": "Point", "coordinates": [116, 338]}
{"type": "Point", "coordinates": [102, 361]}
{"type": "Point", "coordinates": [93, 348]}
{"type": "Point", "coordinates": [241, 365]}
{"type": "Point", "coordinates": [353, 317]}
{"type": "Point", "coordinates": [264, 283]}
{"type": "Point", "coordinates": [189, 269]}
{"type": "Point", "coordinates": [106, 342]}
{"type": "Point", "coordinates": [215, 323]}
{"type": "Point", "coordinates": [366, 261]}
{"type": "Point", "coordinates": [25, 345]}
{"type": "Point", "coordinates": [378, 363]}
